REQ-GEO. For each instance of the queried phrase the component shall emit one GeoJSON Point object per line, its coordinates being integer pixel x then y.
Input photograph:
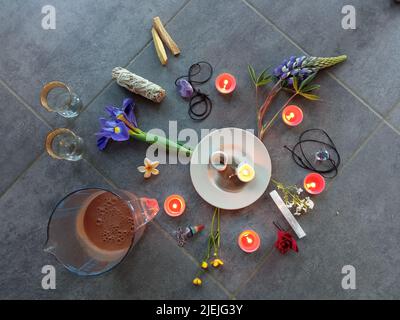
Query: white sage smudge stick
{"type": "Point", "coordinates": [138, 85]}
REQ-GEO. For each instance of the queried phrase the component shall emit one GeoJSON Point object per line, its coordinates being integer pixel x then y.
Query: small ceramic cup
{"type": "Point", "coordinates": [219, 160]}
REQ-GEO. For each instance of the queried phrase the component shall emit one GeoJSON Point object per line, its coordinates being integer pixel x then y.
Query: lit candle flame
{"type": "Point", "coordinates": [225, 84]}
{"type": "Point", "coordinates": [311, 185]}
{"type": "Point", "coordinates": [290, 116]}
{"type": "Point", "coordinates": [249, 240]}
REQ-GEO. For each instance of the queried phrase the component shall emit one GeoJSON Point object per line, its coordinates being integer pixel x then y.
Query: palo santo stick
{"type": "Point", "coordinates": [157, 24]}
{"type": "Point", "coordinates": [162, 55]}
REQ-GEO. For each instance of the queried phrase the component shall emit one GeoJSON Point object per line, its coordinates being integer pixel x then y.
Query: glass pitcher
{"type": "Point", "coordinates": [91, 230]}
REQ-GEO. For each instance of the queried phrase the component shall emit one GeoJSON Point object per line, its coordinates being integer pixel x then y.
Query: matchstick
{"type": "Point", "coordinates": [157, 24]}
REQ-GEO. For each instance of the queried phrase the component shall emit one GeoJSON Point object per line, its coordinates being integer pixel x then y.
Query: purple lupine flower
{"type": "Point", "coordinates": [294, 67]}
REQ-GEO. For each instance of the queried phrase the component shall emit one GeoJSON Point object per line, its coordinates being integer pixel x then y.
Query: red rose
{"type": "Point", "coordinates": [285, 242]}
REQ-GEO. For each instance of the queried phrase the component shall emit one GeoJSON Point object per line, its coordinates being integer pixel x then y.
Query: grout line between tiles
{"type": "Point", "coordinates": [254, 273]}
{"type": "Point", "coordinates": [219, 284]}
{"type": "Point", "coordinates": [356, 152]}
{"type": "Point", "coordinates": [30, 165]}
{"type": "Point", "coordinates": [25, 104]}
{"type": "Point", "coordinates": [330, 74]}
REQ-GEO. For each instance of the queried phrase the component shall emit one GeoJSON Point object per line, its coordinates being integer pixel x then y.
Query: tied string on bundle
{"type": "Point", "coordinates": [326, 159]}
{"type": "Point", "coordinates": [186, 88]}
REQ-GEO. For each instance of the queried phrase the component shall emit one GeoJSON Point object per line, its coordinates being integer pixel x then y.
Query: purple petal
{"type": "Point", "coordinates": [102, 142]}
{"type": "Point", "coordinates": [123, 133]}
{"type": "Point", "coordinates": [128, 106]}
{"type": "Point", "coordinates": [113, 111]}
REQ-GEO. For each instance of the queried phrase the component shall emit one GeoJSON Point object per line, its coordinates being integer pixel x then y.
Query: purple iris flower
{"type": "Point", "coordinates": [110, 129]}
{"type": "Point", "coordinates": [128, 111]}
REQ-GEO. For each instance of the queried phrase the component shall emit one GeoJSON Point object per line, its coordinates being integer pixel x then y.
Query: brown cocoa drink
{"type": "Point", "coordinates": [108, 222]}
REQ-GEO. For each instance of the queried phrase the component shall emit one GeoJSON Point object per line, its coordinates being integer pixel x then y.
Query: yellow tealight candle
{"type": "Point", "coordinates": [245, 172]}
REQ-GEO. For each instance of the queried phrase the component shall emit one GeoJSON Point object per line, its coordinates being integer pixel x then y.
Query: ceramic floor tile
{"type": "Point", "coordinates": [22, 141]}
{"type": "Point", "coordinates": [145, 274]}
{"type": "Point", "coordinates": [353, 222]}
{"type": "Point", "coordinates": [357, 229]}
{"type": "Point", "coordinates": [316, 26]}
{"type": "Point", "coordinates": [394, 117]}
{"type": "Point", "coordinates": [91, 37]}
{"type": "Point", "coordinates": [336, 113]}
{"type": "Point", "coordinates": [227, 111]}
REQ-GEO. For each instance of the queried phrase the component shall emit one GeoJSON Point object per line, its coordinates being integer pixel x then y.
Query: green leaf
{"type": "Point", "coordinates": [309, 96]}
{"type": "Point", "coordinates": [295, 84]}
{"type": "Point", "coordinates": [307, 81]}
{"type": "Point", "coordinates": [252, 74]}
{"type": "Point", "coordinates": [311, 87]}
{"type": "Point", "coordinates": [261, 76]}
{"type": "Point", "coordinates": [263, 82]}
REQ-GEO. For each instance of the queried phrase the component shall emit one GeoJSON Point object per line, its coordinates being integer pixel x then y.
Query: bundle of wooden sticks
{"type": "Point", "coordinates": [161, 35]}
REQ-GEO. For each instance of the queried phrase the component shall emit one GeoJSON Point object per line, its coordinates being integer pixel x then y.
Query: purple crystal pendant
{"type": "Point", "coordinates": [185, 90]}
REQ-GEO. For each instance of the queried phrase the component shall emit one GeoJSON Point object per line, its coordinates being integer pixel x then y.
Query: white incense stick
{"type": "Point", "coordinates": [287, 214]}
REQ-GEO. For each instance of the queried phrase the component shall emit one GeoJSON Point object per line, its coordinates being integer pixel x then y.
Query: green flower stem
{"type": "Point", "coordinates": [263, 109]}
{"type": "Point", "coordinates": [162, 141]}
{"type": "Point", "coordinates": [213, 239]}
{"type": "Point", "coordinates": [266, 126]}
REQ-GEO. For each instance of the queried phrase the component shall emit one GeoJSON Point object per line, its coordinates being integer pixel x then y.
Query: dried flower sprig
{"type": "Point", "coordinates": [292, 198]}
{"type": "Point", "coordinates": [294, 75]}
{"type": "Point", "coordinates": [213, 245]}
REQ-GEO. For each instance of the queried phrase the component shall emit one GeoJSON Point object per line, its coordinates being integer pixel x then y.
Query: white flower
{"type": "Point", "coordinates": [289, 205]}
{"type": "Point", "coordinates": [309, 203]}
{"type": "Point", "coordinates": [299, 190]}
{"type": "Point", "coordinates": [149, 168]}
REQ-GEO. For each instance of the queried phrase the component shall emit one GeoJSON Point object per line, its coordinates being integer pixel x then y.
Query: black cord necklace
{"type": "Point", "coordinates": [326, 158]}
{"type": "Point", "coordinates": [198, 98]}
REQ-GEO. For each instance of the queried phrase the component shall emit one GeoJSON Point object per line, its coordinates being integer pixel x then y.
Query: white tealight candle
{"type": "Point", "coordinates": [245, 172]}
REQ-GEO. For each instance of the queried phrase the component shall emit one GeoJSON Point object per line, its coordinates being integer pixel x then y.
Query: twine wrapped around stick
{"type": "Point", "coordinates": [138, 85]}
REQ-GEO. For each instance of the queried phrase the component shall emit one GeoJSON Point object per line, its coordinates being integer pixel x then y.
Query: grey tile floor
{"type": "Point", "coordinates": [360, 109]}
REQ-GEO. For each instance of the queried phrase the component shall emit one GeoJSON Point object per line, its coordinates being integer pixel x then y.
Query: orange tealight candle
{"type": "Point", "coordinates": [174, 205]}
{"type": "Point", "coordinates": [225, 83]}
{"type": "Point", "coordinates": [249, 241]}
{"type": "Point", "coordinates": [314, 183]}
{"type": "Point", "coordinates": [292, 115]}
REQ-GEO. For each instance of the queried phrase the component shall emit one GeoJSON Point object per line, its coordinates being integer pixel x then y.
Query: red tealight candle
{"type": "Point", "coordinates": [314, 183]}
{"type": "Point", "coordinates": [249, 241]}
{"type": "Point", "coordinates": [174, 205]}
{"type": "Point", "coordinates": [225, 83]}
{"type": "Point", "coordinates": [292, 115]}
